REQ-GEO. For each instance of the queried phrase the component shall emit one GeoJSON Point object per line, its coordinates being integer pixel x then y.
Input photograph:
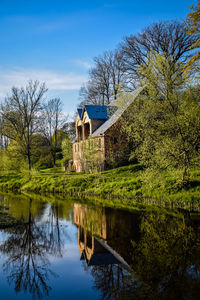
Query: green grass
{"type": "Point", "coordinates": [122, 185]}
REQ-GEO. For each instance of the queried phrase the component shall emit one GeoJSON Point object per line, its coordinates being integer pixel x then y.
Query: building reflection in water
{"type": "Point", "coordinates": [106, 229]}
{"type": "Point", "coordinates": [95, 249]}
{"type": "Point", "coordinates": [110, 271]}
{"type": "Point", "coordinates": [163, 252]}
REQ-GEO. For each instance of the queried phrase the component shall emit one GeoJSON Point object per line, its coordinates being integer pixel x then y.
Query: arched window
{"type": "Point", "coordinates": [115, 140]}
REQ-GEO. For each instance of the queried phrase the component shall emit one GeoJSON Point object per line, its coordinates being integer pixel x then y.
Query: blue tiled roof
{"type": "Point", "coordinates": [79, 111]}
{"type": "Point", "coordinates": [97, 111]}
{"type": "Point", "coordinates": [101, 112]}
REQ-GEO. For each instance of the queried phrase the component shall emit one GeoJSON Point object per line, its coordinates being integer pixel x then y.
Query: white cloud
{"type": "Point", "coordinates": [82, 63]}
{"type": "Point", "coordinates": [54, 80]}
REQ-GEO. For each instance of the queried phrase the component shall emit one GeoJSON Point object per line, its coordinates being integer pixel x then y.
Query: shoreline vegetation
{"type": "Point", "coordinates": [123, 187]}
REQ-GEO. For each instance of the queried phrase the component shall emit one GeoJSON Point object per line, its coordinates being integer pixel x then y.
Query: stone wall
{"type": "Point", "coordinates": [89, 155]}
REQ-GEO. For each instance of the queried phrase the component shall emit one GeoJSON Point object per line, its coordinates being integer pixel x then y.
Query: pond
{"type": "Point", "coordinates": [54, 248]}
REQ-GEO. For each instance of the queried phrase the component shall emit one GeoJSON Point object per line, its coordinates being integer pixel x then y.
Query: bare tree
{"type": "Point", "coordinates": [90, 93]}
{"type": "Point", "coordinates": [69, 129]}
{"type": "Point", "coordinates": [166, 38]}
{"type": "Point", "coordinates": [118, 69]}
{"type": "Point", "coordinates": [53, 121]}
{"type": "Point", "coordinates": [20, 115]}
{"type": "Point", "coordinates": [105, 79]}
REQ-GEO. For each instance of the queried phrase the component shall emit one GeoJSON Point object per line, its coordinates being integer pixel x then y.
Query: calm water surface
{"type": "Point", "coordinates": [63, 249]}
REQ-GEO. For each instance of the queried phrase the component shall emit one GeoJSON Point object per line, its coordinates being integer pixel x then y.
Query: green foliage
{"type": "Point", "coordinates": [122, 187]}
{"type": "Point", "coordinates": [41, 156]}
{"type": "Point", "coordinates": [66, 151]}
{"type": "Point", "coordinates": [91, 156]}
{"type": "Point", "coordinates": [193, 28]}
{"type": "Point", "coordinates": [164, 122]}
{"type": "Point", "coordinates": [164, 244]}
{"type": "Point", "coordinates": [11, 159]}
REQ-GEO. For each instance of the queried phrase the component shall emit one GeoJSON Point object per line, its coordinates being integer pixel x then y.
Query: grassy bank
{"type": "Point", "coordinates": [125, 183]}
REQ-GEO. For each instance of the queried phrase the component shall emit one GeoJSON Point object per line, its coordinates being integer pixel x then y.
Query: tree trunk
{"type": "Point", "coordinates": [54, 159]}
{"type": "Point", "coordinates": [186, 172]}
{"type": "Point", "coordinates": [29, 158]}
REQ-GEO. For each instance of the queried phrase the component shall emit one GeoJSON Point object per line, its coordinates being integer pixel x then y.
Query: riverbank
{"type": "Point", "coordinates": [124, 183]}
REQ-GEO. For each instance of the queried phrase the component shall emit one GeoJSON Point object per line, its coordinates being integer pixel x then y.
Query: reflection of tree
{"type": "Point", "coordinates": [111, 280]}
{"type": "Point", "coordinates": [27, 248]}
{"type": "Point", "coordinates": [53, 229]}
{"type": "Point", "coordinates": [165, 262]}
{"type": "Point", "coordinates": [166, 259]}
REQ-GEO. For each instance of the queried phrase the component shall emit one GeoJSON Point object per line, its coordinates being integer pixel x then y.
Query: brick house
{"type": "Point", "coordinates": [99, 142]}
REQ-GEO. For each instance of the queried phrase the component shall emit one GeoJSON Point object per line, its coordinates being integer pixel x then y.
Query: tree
{"type": "Point", "coordinates": [118, 70]}
{"type": "Point", "coordinates": [20, 115]}
{"type": "Point", "coordinates": [166, 38]}
{"type": "Point", "coordinates": [12, 158]}
{"type": "Point", "coordinates": [53, 121]}
{"type": "Point", "coordinates": [28, 246]}
{"type": "Point", "coordinates": [90, 93]}
{"type": "Point", "coordinates": [105, 79]}
{"type": "Point", "coordinates": [67, 151]}
{"type": "Point", "coordinates": [193, 29]}
{"type": "Point", "coordinates": [164, 122]}
{"type": "Point", "coordinates": [69, 129]}
{"type": "Point", "coordinates": [163, 256]}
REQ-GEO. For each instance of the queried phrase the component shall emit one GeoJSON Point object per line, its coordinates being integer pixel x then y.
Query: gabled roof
{"type": "Point", "coordinates": [99, 259]}
{"type": "Point", "coordinates": [118, 113]}
{"type": "Point", "coordinates": [80, 112]}
{"type": "Point", "coordinates": [104, 255]}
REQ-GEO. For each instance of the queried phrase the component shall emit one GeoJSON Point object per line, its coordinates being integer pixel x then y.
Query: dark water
{"type": "Point", "coordinates": [61, 249]}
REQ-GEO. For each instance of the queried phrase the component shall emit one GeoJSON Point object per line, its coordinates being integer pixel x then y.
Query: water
{"type": "Point", "coordinates": [64, 249]}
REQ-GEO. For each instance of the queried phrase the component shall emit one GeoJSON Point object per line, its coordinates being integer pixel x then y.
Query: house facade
{"type": "Point", "coordinates": [99, 142]}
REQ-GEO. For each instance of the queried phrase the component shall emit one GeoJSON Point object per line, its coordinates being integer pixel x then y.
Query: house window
{"type": "Point", "coordinates": [99, 143]}
{"type": "Point", "coordinates": [89, 241]}
{"type": "Point", "coordinates": [115, 140]}
{"type": "Point", "coordinates": [82, 237]}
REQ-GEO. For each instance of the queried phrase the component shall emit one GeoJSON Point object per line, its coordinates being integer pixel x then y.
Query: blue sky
{"type": "Point", "coordinates": [55, 40]}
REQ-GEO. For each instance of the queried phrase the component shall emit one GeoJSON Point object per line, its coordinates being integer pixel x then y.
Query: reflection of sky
{"type": "Point", "coordinates": [71, 281]}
